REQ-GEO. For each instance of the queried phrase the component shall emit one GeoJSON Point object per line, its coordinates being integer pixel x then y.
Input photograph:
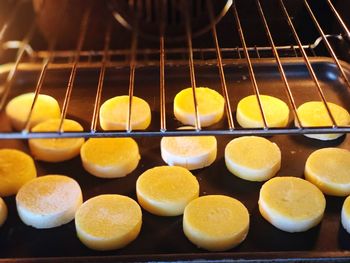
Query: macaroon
{"type": "Point", "coordinates": [114, 113]}
{"type": "Point", "coordinates": [16, 169]}
{"type": "Point", "coordinates": [253, 158]}
{"type": "Point", "coordinates": [18, 109]}
{"type": "Point", "coordinates": [110, 157]}
{"type": "Point", "coordinates": [315, 114]}
{"type": "Point", "coordinates": [48, 201]}
{"type": "Point", "coordinates": [210, 105]}
{"type": "Point", "coordinates": [329, 170]}
{"type": "Point", "coordinates": [166, 190]}
{"type": "Point", "coordinates": [291, 204]}
{"type": "Point", "coordinates": [190, 152]}
{"type": "Point", "coordinates": [216, 222]}
{"type": "Point", "coordinates": [249, 115]}
{"type": "Point", "coordinates": [56, 149]}
{"type": "Point", "coordinates": [108, 222]}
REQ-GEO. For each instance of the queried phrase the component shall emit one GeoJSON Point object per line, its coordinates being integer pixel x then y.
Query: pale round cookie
{"type": "Point", "coordinates": [291, 204]}
{"type": "Point", "coordinates": [345, 214]}
{"type": "Point", "coordinates": [210, 106]}
{"type": "Point", "coordinates": [48, 201]}
{"type": "Point", "coordinates": [329, 170]}
{"type": "Point", "coordinates": [3, 212]}
{"type": "Point", "coordinates": [110, 157]}
{"type": "Point", "coordinates": [253, 158]}
{"type": "Point", "coordinates": [16, 169]}
{"type": "Point", "coordinates": [216, 222]}
{"type": "Point", "coordinates": [108, 222]}
{"type": "Point", "coordinates": [56, 150]}
{"type": "Point", "coordinates": [190, 152]}
{"type": "Point", "coordinates": [166, 190]}
{"type": "Point", "coordinates": [114, 114]}
{"type": "Point", "coordinates": [17, 110]}
{"type": "Point", "coordinates": [314, 113]}
{"type": "Point", "coordinates": [249, 116]}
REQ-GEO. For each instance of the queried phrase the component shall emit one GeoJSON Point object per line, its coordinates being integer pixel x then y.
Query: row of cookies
{"type": "Point", "coordinates": [251, 112]}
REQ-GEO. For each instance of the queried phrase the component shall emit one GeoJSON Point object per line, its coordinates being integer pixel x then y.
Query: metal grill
{"type": "Point", "coordinates": [27, 58]}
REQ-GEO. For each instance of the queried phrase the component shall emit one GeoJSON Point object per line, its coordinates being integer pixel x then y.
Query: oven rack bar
{"type": "Point", "coordinates": [308, 64]}
{"type": "Point", "coordinates": [103, 67]}
{"type": "Point", "coordinates": [217, 132]}
{"type": "Point", "coordinates": [121, 55]}
{"type": "Point", "coordinates": [162, 94]}
{"type": "Point", "coordinates": [131, 59]}
{"type": "Point", "coordinates": [280, 66]}
{"type": "Point", "coordinates": [250, 65]}
{"type": "Point", "coordinates": [221, 68]}
{"type": "Point", "coordinates": [36, 66]}
{"type": "Point", "coordinates": [191, 65]}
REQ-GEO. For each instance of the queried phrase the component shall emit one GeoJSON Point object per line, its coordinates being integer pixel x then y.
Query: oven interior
{"type": "Point", "coordinates": [85, 52]}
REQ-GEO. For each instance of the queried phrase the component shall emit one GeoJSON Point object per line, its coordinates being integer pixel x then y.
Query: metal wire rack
{"type": "Point", "coordinates": [28, 58]}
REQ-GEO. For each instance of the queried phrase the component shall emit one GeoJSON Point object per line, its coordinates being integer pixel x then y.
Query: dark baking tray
{"type": "Point", "coordinates": [161, 238]}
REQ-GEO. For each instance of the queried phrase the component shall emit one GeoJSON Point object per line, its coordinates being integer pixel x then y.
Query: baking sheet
{"type": "Point", "coordinates": [161, 238]}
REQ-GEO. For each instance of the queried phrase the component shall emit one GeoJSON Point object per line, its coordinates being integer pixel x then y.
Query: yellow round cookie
{"type": "Point", "coordinates": [16, 169]}
{"type": "Point", "coordinates": [329, 170]}
{"type": "Point", "coordinates": [249, 116]}
{"type": "Point", "coordinates": [3, 212]}
{"type": "Point", "coordinates": [190, 152]}
{"type": "Point", "coordinates": [56, 150]}
{"type": "Point", "coordinates": [314, 113]}
{"type": "Point", "coordinates": [110, 157]}
{"type": "Point", "coordinates": [345, 214]}
{"type": "Point", "coordinates": [252, 158]}
{"type": "Point", "coordinates": [17, 110]}
{"type": "Point", "coordinates": [108, 222]}
{"type": "Point", "coordinates": [114, 114]}
{"type": "Point", "coordinates": [166, 190]}
{"type": "Point", "coordinates": [291, 204]}
{"type": "Point", "coordinates": [210, 106]}
{"type": "Point", "coordinates": [49, 201]}
{"type": "Point", "coordinates": [216, 222]}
